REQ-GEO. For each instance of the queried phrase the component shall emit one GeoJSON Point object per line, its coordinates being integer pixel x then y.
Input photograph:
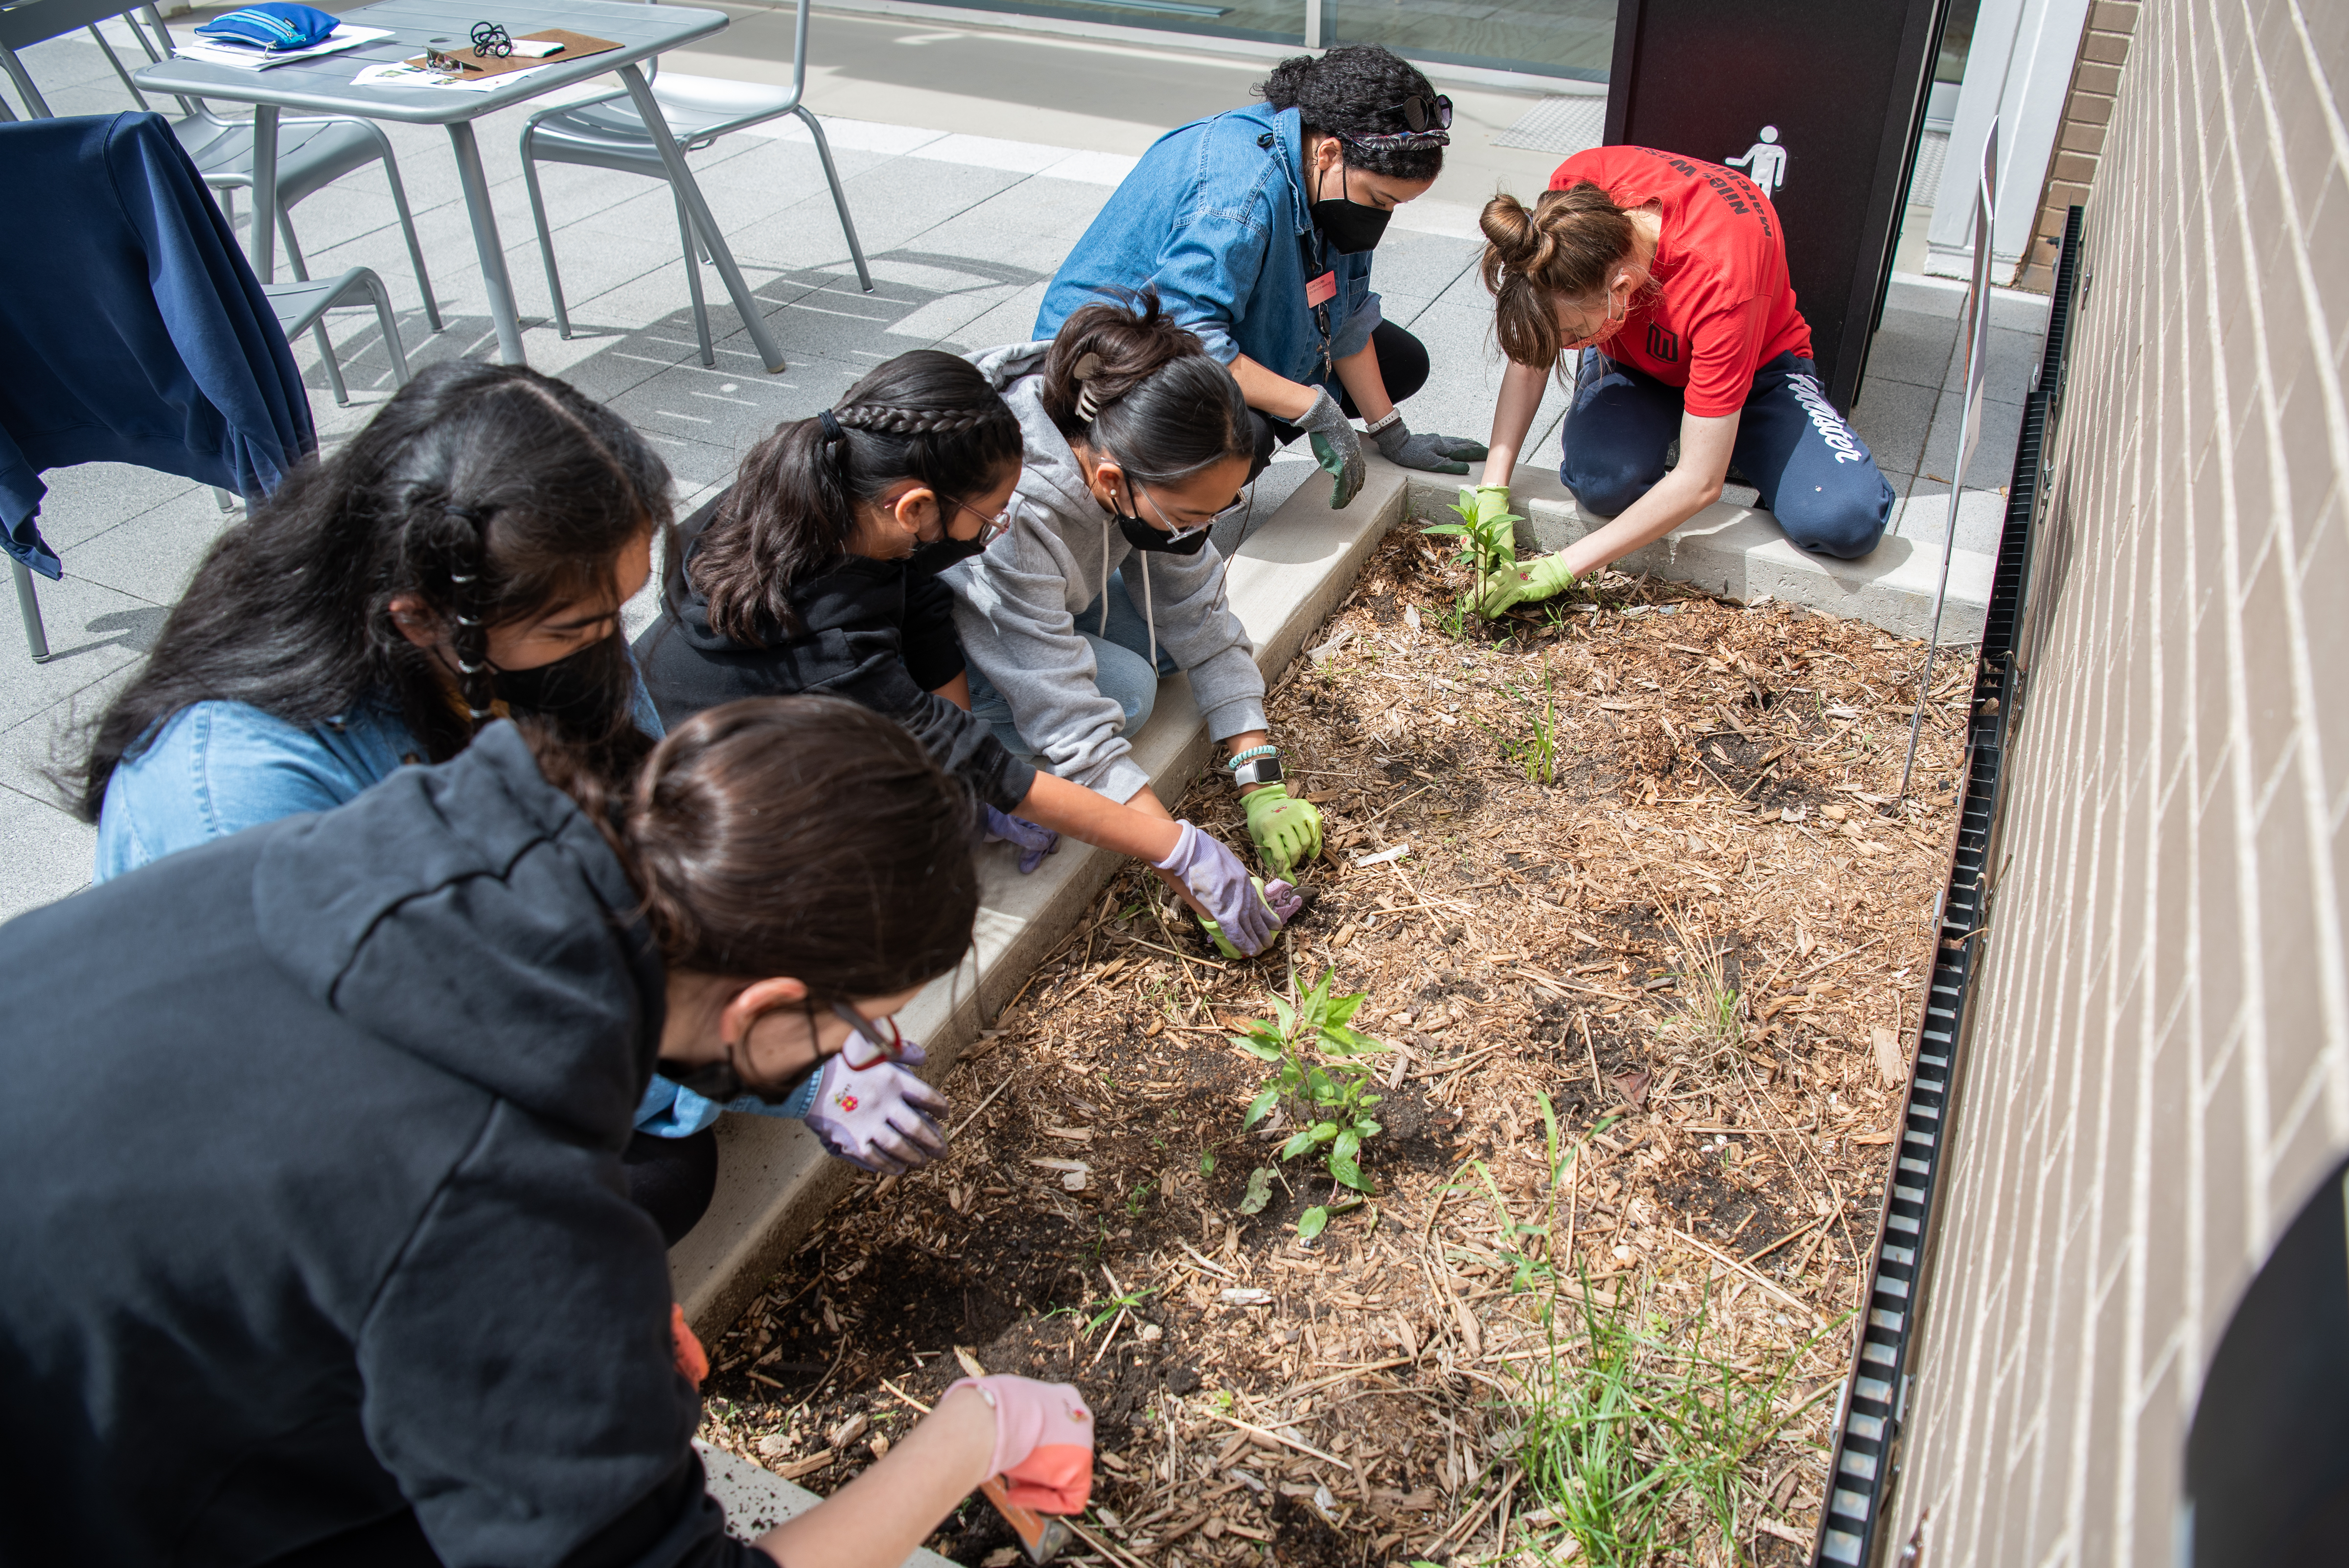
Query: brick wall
{"type": "Point", "coordinates": [2158, 1071]}
{"type": "Point", "coordinates": [2080, 138]}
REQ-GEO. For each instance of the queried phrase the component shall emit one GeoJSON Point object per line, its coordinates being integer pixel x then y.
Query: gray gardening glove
{"type": "Point", "coordinates": [1428, 454]}
{"type": "Point", "coordinates": [1335, 447]}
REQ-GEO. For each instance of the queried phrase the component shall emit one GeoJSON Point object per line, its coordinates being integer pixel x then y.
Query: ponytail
{"type": "Point", "coordinates": [1563, 247]}
{"type": "Point", "coordinates": [793, 835]}
{"type": "Point", "coordinates": [1126, 378]}
{"type": "Point", "coordinates": [792, 515]}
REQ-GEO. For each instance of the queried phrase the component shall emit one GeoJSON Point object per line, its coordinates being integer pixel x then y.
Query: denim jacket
{"type": "Point", "coordinates": [1215, 216]}
{"type": "Point", "coordinates": [214, 769]}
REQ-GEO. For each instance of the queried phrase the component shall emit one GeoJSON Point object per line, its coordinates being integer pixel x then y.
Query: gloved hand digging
{"type": "Point", "coordinates": [1282, 899]}
{"type": "Point", "coordinates": [1236, 907]}
{"type": "Point", "coordinates": [1428, 454]}
{"type": "Point", "coordinates": [878, 1117]}
{"type": "Point", "coordinates": [1043, 1441]}
{"type": "Point", "coordinates": [1535, 579]}
{"type": "Point", "coordinates": [1033, 842]}
{"type": "Point", "coordinates": [1335, 447]}
{"type": "Point", "coordinates": [1286, 830]}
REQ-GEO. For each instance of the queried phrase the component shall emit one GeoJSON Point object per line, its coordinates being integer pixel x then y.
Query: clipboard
{"type": "Point", "coordinates": [575, 46]}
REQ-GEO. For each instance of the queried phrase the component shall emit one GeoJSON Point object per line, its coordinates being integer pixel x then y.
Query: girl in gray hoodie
{"type": "Point", "coordinates": [1135, 439]}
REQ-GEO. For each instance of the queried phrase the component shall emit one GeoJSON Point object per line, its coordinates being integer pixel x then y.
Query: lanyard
{"type": "Point", "coordinates": [1325, 284]}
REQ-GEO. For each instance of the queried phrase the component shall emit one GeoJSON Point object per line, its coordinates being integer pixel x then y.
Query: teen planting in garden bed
{"type": "Point", "coordinates": [407, 1315]}
{"type": "Point", "coordinates": [815, 571]}
{"type": "Point", "coordinates": [1135, 439]}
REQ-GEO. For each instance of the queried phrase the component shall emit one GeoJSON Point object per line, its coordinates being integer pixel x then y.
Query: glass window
{"type": "Point", "coordinates": [1270, 21]}
{"type": "Point", "coordinates": [1550, 37]}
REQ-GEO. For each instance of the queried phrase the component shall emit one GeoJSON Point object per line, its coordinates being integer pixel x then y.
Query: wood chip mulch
{"type": "Point", "coordinates": [1701, 922]}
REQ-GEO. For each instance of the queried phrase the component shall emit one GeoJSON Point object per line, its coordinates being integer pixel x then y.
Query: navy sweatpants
{"type": "Point", "coordinates": [1815, 473]}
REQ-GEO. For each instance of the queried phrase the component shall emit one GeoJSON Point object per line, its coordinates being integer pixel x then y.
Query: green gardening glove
{"type": "Point", "coordinates": [1535, 579]}
{"type": "Point", "coordinates": [1492, 503]}
{"type": "Point", "coordinates": [1286, 831]}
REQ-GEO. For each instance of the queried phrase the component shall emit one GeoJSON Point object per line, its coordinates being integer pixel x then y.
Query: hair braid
{"type": "Point", "coordinates": [791, 515]}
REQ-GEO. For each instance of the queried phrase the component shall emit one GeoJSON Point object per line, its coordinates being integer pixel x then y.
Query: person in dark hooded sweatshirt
{"type": "Point", "coordinates": [815, 571]}
{"type": "Point", "coordinates": [319, 1250]}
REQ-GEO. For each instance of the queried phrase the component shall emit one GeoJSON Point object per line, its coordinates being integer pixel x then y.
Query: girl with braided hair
{"type": "Point", "coordinates": [462, 557]}
{"type": "Point", "coordinates": [405, 1315]}
{"type": "Point", "coordinates": [816, 571]}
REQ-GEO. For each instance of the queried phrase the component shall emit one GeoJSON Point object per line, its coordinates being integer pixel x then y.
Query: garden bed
{"type": "Point", "coordinates": [1628, 895]}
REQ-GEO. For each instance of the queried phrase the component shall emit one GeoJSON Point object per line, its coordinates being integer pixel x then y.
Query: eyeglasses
{"type": "Point", "coordinates": [990, 528]}
{"type": "Point", "coordinates": [491, 42]}
{"type": "Point", "coordinates": [888, 1046]}
{"type": "Point", "coordinates": [1174, 530]}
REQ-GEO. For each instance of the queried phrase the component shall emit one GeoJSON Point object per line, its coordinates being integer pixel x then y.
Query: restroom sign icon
{"type": "Point", "coordinates": [1764, 162]}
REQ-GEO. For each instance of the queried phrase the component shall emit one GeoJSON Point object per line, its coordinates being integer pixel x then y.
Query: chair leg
{"type": "Point", "coordinates": [226, 501]}
{"type": "Point", "coordinates": [408, 228]}
{"type": "Point", "coordinates": [29, 604]}
{"type": "Point", "coordinates": [545, 240]}
{"type": "Point", "coordinates": [302, 274]}
{"type": "Point", "coordinates": [839, 197]}
{"type": "Point", "coordinates": [693, 278]}
{"type": "Point", "coordinates": [390, 325]}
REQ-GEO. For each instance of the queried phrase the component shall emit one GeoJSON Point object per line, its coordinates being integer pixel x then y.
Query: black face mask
{"type": "Point", "coordinates": [936, 558]}
{"type": "Point", "coordinates": [1143, 536]}
{"type": "Point", "coordinates": [577, 690]}
{"type": "Point", "coordinates": [1348, 226]}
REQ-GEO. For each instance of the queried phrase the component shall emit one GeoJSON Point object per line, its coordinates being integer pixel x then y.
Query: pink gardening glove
{"type": "Point", "coordinates": [1043, 1441]}
{"type": "Point", "coordinates": [878, 1117]}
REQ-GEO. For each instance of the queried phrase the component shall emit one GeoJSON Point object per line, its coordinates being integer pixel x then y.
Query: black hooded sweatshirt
{"type": "Point", "coordinates": [315, 1209]}
{"type": "Point", "coordinates": [878, 633]}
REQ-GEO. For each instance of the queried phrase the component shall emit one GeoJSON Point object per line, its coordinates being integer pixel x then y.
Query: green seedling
{"type": "Point", "coordinates": [1322, 1077]}
{"type": "Point", "coordinates": [1207, 1164]}
{"type": "Point", "coordinates": [1487, 543]}
{"type": "Point", "coordinates": [1116, 1304]}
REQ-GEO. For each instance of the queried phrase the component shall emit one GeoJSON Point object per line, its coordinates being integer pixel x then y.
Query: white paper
{"type": "Point", "coordinates": [400, 74]}
{"type": "Point", "coordinates": [238, 56]}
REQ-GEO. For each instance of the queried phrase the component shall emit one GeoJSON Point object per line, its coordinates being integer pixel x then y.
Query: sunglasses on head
{"type": "Point", "coordinates": [1421, 114]}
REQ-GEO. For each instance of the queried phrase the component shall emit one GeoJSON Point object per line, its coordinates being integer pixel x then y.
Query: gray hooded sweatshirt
{"type": "Point", "coordinates": [1017, 604]}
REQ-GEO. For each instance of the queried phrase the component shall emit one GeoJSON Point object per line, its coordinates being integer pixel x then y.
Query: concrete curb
{"type": "Point", "coordinates": [756, 1500]}
{"type": "Point", "coordinates": [1739, 552]}
{"type": "Point", "coordinates": [775, 1180]}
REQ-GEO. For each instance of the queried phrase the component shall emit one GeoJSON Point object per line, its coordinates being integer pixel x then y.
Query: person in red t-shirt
{"type": "Point", "coordinates": [1665, 277]}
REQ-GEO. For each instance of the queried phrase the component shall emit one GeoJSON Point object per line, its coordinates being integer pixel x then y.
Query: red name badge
{"type": "Point", "coordinates": [1322, 290]}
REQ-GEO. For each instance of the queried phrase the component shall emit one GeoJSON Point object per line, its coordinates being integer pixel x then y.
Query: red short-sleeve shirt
{"type": "Point", "coordinates": [1725, 306]}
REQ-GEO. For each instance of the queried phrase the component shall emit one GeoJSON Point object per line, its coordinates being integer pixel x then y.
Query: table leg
{"type": "Point", "coordinates": [265, 192]}
{"type": "Point", "coordinates": [485, 243]}
{"type": "Point", "coordinates": [657, 124]}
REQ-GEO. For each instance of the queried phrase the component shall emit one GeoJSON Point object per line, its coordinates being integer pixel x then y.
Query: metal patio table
{"type": "Point", "coordinates": [323, 84]}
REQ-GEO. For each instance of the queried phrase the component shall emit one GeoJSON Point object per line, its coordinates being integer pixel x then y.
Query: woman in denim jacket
{"type": "Point", "coordinates": [1257, 227]}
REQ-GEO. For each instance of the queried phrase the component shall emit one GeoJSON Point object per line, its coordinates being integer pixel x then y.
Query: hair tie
{"type": "Point", "coordinates": [1088, 407]}
{"type": "Point", "coordinates": [831, 431]}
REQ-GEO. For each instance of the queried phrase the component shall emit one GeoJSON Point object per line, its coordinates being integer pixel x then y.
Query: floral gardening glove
{"type": "Point", "coordinates": [1217, 879]}
{"type": "Point", "coordinates": [1282, 899]}
{"type": "Point", "coordinates": [878, 1117]}
{"type": "Point", "coordinates": [1286, 830]}
{"type": "Point", "coordinates": [1033, 842]}
{"type": "Point", "coordinates": [1043, 1441]}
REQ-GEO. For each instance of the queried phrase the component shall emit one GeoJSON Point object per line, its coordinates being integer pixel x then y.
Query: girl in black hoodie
{"type": "Point", "coordinates": [815, 572]}
{"type": "Point", "coordinates": [404, 1314]}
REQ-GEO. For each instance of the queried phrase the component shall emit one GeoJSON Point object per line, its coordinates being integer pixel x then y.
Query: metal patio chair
{"type": "Point", "coordinates": [608, 132]}
{"type": "Point", "coordinates": [313, 152]}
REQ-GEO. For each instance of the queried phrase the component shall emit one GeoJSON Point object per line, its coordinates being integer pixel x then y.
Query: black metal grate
{"type": "Point", "coordinates": [1867, 1450]}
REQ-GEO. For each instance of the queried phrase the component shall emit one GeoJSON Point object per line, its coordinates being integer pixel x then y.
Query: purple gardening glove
{"type": "Point", "coordinates": [1244, 914]}
{"type": "Point", "coordinates": [1033, 842]}
{"type": "Point", "coordinates": [878, 1117]}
